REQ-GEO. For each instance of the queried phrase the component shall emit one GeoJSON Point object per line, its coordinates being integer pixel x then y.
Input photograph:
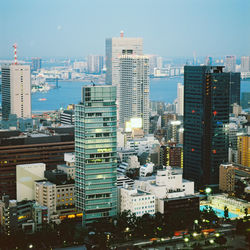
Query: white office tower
{"type": "Point", "coordinates": [230, 64]}
{"type": "Point", "coordinates": [180, 99]}
{"type": "Point", "coordinates": [95, 64]}
{"type": "Point", "coordinates": [245, 64]}
{"type": "Point", "coordinates": [134, 87]}
{"type": "Point", "coordinates": [16, 91]}
{"type": "Point", "coordinates": [115, 47]}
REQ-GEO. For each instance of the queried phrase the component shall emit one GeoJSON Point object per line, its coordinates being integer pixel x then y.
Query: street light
{"type": "Point", "coordinates": [211, 241]}
{"type": "Point", "coordinates": [186, 239]}
{"type": "Point", "coordinates": [217, 234]}
{"type": "Point", "coordinates": [208, 190]}
{"type": "Point", "coordinates": [30, 246]}
{"type": "Point", "coordinates": [195, 234]}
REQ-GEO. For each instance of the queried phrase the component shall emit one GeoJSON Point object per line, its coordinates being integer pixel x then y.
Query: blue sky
{"type": "Point", "coordinates": [76, 28]}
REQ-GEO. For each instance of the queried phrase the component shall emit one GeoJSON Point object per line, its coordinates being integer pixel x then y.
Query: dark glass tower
{"type": "Point", "coordinates": [234, 89]}
{"type": "Point", "coordinates": [206, 115]}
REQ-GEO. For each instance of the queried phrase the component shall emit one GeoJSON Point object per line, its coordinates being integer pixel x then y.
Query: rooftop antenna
{"type": "Point", "coordinates": [15, 52]}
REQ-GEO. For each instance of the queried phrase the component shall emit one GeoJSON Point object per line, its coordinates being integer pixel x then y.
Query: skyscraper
{"type": "Point", "coordinates": [230, 63]}
{"type": "Point", "coordinates": [180, 99]}
{"type": "Point", "coordinates": [245, 64]}
{"type": "Point", "coordinates": [115, 47]}
{"type": "Point", "coordinates": [206, 115]}
{"type": "Point", "coordinates": [234, 93]}
{"type": "Point", "coordinates": [36, 63]}
{"type": "Point", "coordinates": [16, 91]}
{"type": "Point", "coordinates": [95, 153]}
{"type": "Point", "coordinates": [95, 64]}
{"type": "Point", "coordinates": [134, 90]}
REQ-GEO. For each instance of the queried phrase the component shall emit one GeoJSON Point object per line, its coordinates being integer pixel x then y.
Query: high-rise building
{"type": "Point", "coordinates": [171, 155]}
{"type": "Point", "coordinates": [244, 150]}
{"type": "Point", "coordinates": [134, 89]}
{"type": "Point", "coordinates": [16, 91]}
{"type": "Point", "coordinates": [96, 153]}
{"type": "Point", "coordinates": [36, 63]}
{"type": "Point", "coordinates": [116, 47]}
{"type": "Point", "coordinates": [180, 99]}
{"type": "Point", "coordinates": [234, 90]}
{"type": "Point", "coordinates": [209, 61]}
{"type": "Point", "coordinates": [245, 100]}
{"type": "Point", "coordinates": [230, 64]}
{"type": "Point", "coordinates": [206, 117]}
{"type": "Point", "coordinates": [245, 64]}
{"type": "Point", "coordinates": [95, 64]}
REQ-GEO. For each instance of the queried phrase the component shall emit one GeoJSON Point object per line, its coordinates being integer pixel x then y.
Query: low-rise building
{"type": "Point", "coordinates": [170, 190]}
{"type": "Point", "coordinates": [231, 172]}
{"type": "Point", "coordinates": [137, 201]}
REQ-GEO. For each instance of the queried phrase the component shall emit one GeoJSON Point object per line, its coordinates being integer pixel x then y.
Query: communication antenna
{"type": "Point", "coordinates": [15, 52]}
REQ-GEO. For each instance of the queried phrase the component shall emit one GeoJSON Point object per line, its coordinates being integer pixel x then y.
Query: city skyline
{"type": "Point", "coordinates": [169, 30]}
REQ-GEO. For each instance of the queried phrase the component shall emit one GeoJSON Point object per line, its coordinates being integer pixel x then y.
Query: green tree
{"type": "Point", "coordinates": [226, 212]}
{"type": "Point", "coordinates": [221, 240]}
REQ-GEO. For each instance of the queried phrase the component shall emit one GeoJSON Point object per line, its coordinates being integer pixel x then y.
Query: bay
{"type": "Point", "coordinates": [69, 92]}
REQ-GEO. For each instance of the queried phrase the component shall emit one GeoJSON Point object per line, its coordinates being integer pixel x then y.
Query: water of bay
{"type": "Point", "coordinates": [69, 92]}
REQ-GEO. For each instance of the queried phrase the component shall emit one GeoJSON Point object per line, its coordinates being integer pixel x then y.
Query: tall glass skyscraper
{"type": "Point", "coordinates": [95, 151]}
{"type": "Point", "coordinates": [206, 115]}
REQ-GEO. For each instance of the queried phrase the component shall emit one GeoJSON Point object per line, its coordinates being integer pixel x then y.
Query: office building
{"type": "Point", "coordinates": [134, 89]}
{"type": "Point", "coordinates": [245, 100]}
{"type": "Point", "coordinates": [26, 175]}
{"type": "Point", "coordinates": [180, 99]}
{"type": "Point", "coordinates": [209, 61]}
{"type": "Point", "coordinates": [17, 149]}
{"type": "Point", "coordinates": [243, 146]}
{"type": "Point", "coordinates": [171, 191]}
{"type": "Point", "coordinates": [171, 155]}
{"type": "Point", "coordinates": [229, 173]}
{"type": "Point", "coordinates": [245, 64]}
{"type": "Point", "coordinates": [45, 195]}
{"type": "Point", "coordinates": [206, 117]}
{"type": "Point", "coordinates": [234, 90]}
{"type": "Point", "coordinates": [115, 48]}
{"type": "Point", "coordinates": [36, 63]}
{"type": "Point", "coordinates": [67, 117]}
{"type": "Point", "coordinates": [137, 201]}
{"type": "Point", "coordinates": [95, 153]}
{"type": "Point", "coordinates": [16, 91]}
{"type": "Point", "coordinates": [230, 64]}
{"type": "Point", "coordinates": [95, 64]}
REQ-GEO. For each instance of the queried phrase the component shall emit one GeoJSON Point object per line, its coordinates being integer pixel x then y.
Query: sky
{"type": "Point", "coordinates": [76, 28]}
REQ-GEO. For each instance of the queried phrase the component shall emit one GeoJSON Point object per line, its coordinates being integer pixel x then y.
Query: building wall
{"type": "Point", "coordinates": [16, 91]}
{"type": "Point", "coordinates": [26, 151]}
{"type": "Point", "coordinates": [206, 114]}
{"type": "Point", "coordinates": [134, 90]}
{"type": "Point", "coordinates": [46, 195]}
{"type": "Point", "coordinates": [227, 178]}
{"type": "Point", "coordinates": [138, 203]}
{"type": "Point", "coordinates": [26, 175]}
{"type": "Point", "coordinates": [96, 154]}
{"type": "Point", "coordinates": [244, 150]}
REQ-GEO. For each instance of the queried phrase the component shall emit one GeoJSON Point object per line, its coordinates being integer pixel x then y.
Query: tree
{"type": "Point", "coordinates": [226, 212]}
{"type": "Point", "coordinates": [246, 211]}
{"type": "Point", "coordinates": [221, 240]}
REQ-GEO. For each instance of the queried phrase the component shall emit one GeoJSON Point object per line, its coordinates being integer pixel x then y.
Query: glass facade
{"type": "Point", "coordinates": [95, 151]}
{"type": "Point", "coordinates": [206, 116]}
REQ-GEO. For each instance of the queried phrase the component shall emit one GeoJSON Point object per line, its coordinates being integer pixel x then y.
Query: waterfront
{"type": "Point", "coordinates": [69, 92]}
